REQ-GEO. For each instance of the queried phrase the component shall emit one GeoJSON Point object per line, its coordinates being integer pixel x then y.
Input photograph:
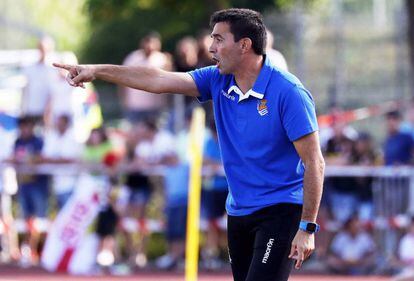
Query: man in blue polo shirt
{"type": "Point", "coordinates": [268, 135]}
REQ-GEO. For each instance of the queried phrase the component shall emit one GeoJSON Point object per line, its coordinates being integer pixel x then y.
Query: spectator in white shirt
{"type": "Point", "coordinates": [62, 148]}
{"type": "Point", "coordinates": [40, 79]}
{"type": "Point", "coordinates": [137, 104]}
{"type": "Point", "coordinates": [406, 247]}
{"type": "Point", "coordinates": [352, 250]}
{"type": "Point", "coordinates": [406, 255]}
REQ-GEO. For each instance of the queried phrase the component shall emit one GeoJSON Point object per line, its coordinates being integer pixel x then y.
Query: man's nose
{"type": "Point", "coordinates": [212, 48]}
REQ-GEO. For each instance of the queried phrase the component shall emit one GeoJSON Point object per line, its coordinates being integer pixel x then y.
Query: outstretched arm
{"type": "Point", "coordinates": [149, 79]}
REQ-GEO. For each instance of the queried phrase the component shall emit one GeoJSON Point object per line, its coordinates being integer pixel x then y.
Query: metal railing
{"type": "Point", "coordinates": [392, 189]}
{"type": "Point", "coordinates": [393, 201]}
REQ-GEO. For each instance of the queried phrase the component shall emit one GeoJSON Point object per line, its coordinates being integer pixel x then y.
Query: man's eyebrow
{"type": "Point", "coordinates": [215, 35]}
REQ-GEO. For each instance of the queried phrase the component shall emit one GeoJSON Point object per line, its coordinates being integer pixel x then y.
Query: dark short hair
{"type": "Point", "coordinates": [25, 120]}
{"type": "Point", "coordinates": [243, 23]}
{"type": "Point", "coordinates": [364, 136]}
{"type": "Point", "coordinates": [99, 130]}
{"type": "Point", "coordinates": [394, 114]}
{"type": "Point", "coordinates": [65, 117]}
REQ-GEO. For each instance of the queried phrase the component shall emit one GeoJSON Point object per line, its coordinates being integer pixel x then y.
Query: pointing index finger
{"type": "Point", "coordinates": [64, 66]}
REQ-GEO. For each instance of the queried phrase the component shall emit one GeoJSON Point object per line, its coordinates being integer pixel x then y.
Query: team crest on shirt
{"type": "Point", "coordinates": [262, 107]}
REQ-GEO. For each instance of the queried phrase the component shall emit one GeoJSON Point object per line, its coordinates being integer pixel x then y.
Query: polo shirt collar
{"type": "Point", "coordinates": [260, 85]}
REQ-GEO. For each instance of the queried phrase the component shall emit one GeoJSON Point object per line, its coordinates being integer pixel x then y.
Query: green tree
{"type": "Point", "coordinates": [64, 20]}
{"type": "Point", "coordinates": [117, 25]}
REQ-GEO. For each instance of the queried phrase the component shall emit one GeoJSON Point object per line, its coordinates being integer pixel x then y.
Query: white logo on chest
{"type": "Point", "coordinates": [227, 95]}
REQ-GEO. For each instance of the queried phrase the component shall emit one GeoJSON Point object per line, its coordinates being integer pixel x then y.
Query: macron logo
{"type": "Point", "coordinates": [227, 95]}
{"type": "Point", "coordinates": [268, 250]}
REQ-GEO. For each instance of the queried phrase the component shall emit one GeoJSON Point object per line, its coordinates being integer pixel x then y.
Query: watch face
{"type": "Point", "coordinates": [311, 227]}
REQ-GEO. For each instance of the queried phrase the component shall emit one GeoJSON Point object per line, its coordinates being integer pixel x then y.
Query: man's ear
{"type": "Point", "coordinates": [246, 44]}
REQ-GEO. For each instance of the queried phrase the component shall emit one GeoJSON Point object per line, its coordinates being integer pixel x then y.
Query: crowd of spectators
{"type": "Point", "coordinates": [351, 247]}
{"type": "Point", "coordinates": [45, 136]}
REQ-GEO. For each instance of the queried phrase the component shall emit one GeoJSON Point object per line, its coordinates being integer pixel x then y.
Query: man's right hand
{"type": "Point", "coordinates": [77, 74]}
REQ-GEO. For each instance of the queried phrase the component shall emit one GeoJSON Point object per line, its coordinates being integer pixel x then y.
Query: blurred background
{"type": "Point", "coordinates": [124, 153]}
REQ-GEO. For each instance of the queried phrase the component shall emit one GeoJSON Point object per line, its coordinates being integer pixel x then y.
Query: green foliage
{"type": "Point", "coordinates": [117, 25]}
{"type": "Point", "coordinates": [65, 20]}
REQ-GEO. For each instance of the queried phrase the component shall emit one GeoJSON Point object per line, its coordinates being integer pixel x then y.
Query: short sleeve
{"type": "Point", "coordinates": [203, 77]}
{"type": "Point", "coordinates": [49, 147]}
{"type": "Point", "coordinates": [298, 113]}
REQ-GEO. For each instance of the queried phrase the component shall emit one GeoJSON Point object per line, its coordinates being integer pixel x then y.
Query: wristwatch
{"type": "Point", "coordinates": [309, 227]}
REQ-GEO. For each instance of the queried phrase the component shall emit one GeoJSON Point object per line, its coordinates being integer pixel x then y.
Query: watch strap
{"type": "Point", "coordinates": [309, 227]}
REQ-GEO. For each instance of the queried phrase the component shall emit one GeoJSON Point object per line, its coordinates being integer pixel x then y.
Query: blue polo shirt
{"type": "Point", "coordinates": [398, 149]}
{"type": "Point", "coordinates": [256, 134]}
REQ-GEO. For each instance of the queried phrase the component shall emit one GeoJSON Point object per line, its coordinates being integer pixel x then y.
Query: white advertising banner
{"type": "Point", "coordinates": [70, 246]}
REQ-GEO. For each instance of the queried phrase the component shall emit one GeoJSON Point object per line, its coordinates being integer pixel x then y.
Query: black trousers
{"type": "Point", "coordinates": [259, 243]}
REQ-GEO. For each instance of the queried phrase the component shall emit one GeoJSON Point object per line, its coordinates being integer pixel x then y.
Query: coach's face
{"type": "Point", "coordinates": [226, 52]}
